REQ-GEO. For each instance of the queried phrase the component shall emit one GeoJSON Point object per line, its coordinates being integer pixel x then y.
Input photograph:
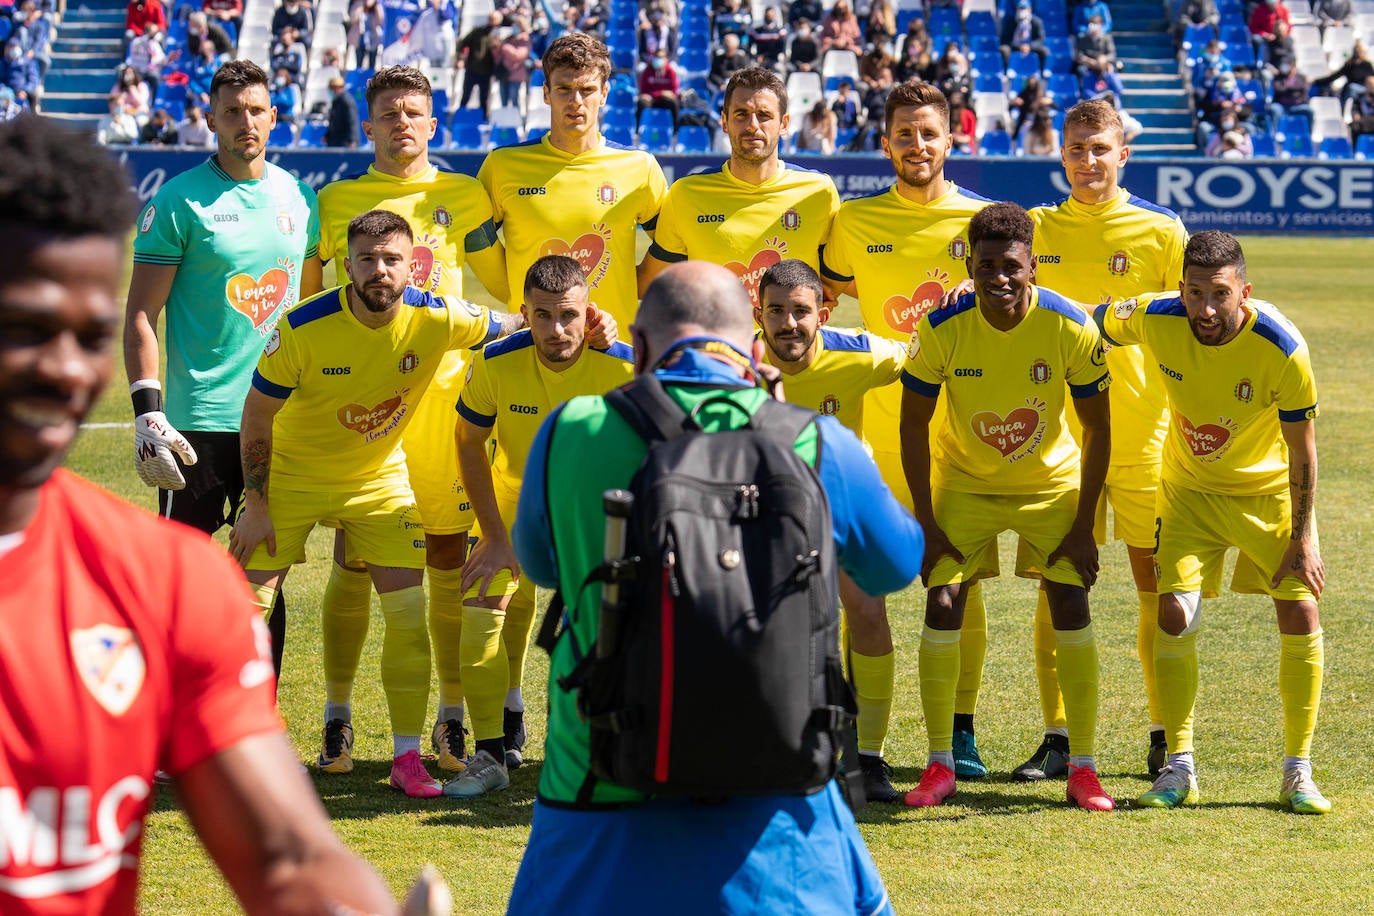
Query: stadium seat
{"type": "Point", "coordinates": [656, 139]}
{"type": "Point", "coordinates": [503, 136]}
{"type": "Point", "coordinates": [618, 117]}
{"type": "Point", "coordinates": [694, 41]}
{"type": "Point", "coordinates": [694, 60]}
{"type": "Point", "coordinates": [845, 136]}
{"type": "Point", "coordinates": [624, 58]}
{"type": "Point", "coordinates": [467, 136]}
{"type": "Point", "coordinates": [655, 118]}
{"type": "Point", "coordinates": [467, 117]}
{"type": "Point", "coordinates": [1059, 54]}
{"type": "Point", "coordinates": [620, 134]}
{"type": "Point", "coordinates": [839, 62]}
{"type": "Point", "coordinates": [1263, 146]}
{"type": "Point", "coordinates": [944, 19]}
{"type": "Point", "coordinates": [693, 138]}
{"type": "Point", "coordinates": [312, 135]}
{"type": "Point", "coordinates": [985, 83]}
{"type": "Point", "coordinates": [995, 143]}
{"type": "Point", "coordinates": [536, 79]}
{"type": "Point", "coordinates": [622, 39]}
{"type": "Point", "coordinates": [1022, 64]}
{"type": "Point", "coordinates": [621, 97]}
{"type": "Point", "coordinates": [1297, 145]}
{"type": "Point", "coordinates": [535, 133]}
{"type": "Point", "coordinates": [1292, 124]}
{"type": "Point", "coordinates": [356, 80]}
{"type": "Point", "coordinates": [1335, 148]}
{"type": "Point", "coordinates": [282, 135]}
{"type": "Point", "coordinates": [1197, 36]}
{"type": "Point", "coordinates": [983, 44]}
{"type": "Point", "coordinates": [1364, 146]}
{"type": "Point", "coordinates": [980, 23]}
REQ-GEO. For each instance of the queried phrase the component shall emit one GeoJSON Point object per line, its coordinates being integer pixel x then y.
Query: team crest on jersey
{"type": "Point", "coordinates": [791, 219]}
{"type": "Point", "coordinates": [284, 224]}
{"type": "Point", "coordinates": [1244, 391]}
{"type": "Point", "coordinates": [1126, 308]}
{"type": "Point", "coordinates": [1119, 264]}
{"type": "Point", "coordinates": [958, 249]}
{"type": "Point", "coordinates": [111, 664]}
{"type": "Point", "coordinates": [442, 217]}
{"type": "Point", "coordinates": [273, 342]}
{"type": "Point", "coordinates": [606, 193]}
{"type": "Point", "coordinates": [830, 406]}
{"type": "Point", "coordinates": [148, 216]}
{"type": "Point", "coordinates": [409, 362]}
{"type": "Point", "coordinates": [913, 346]}
{"type": "Point", "coordinates": [1040, 372]}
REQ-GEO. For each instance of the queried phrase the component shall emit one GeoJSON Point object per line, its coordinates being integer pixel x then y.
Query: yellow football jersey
{"type": "Point", "coordinates": [351, 390]}
{"type": "Point", "coordinates": [846, 365]}
{"type": "Point", "coordinates": [1094, 253]}
{"type": "Point", "coordinates": [747, 227]}
{"type": "Point", "coordinates": [902, 257]}
{"type": "Point", "coordinates": [586, 206]}
{"type": "Point", "coordinates": [1005, 431]}
{"type": "Point", "coordinates": [1226, 402]}
{"type": "Point", "coordinates": [510, 389]}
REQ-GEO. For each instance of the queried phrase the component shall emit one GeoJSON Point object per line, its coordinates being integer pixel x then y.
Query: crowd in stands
{"type": "Point", "coordinates": [1009, 67]}
{"type": "Point", "coordinates": [1279, 78]}
{"type": "Point", "coordinates": [27, 32]}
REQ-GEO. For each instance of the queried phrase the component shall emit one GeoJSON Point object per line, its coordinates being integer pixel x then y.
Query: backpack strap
{"type": "Point", "coordinates": [646, 406]}
{"type": "Point", "coordinates": [786, 423]}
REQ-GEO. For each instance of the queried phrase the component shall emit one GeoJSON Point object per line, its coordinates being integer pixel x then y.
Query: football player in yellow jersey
{"type": "Point", "coordinates": [451, 218]}
{"type": "Point", "coordinates": [1005, 360]}
{"type": "Point", "coordinates": [830, 371]}
{"type": "Point", "coordinates": [571, 192]}
{"type": "Point", "coordinates": [1101, 243]}
{"type": "Point", "coordinates": [335, 388]}
{"type": "Point", "coordinates": [756, 210]}
{"type": "Point", "coordinates": [901, 253]}
{"type": "Point", "coordinates": [512, 387]}
{"type": "Point", "coordinates": [1239, 470]}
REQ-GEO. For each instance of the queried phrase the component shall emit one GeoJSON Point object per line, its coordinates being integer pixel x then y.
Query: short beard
{"type": "Point", "coordinates": [377, 302]}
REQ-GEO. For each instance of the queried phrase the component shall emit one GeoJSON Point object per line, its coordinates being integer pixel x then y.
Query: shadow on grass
{"type": "Point", "coordinates": [366, 793]}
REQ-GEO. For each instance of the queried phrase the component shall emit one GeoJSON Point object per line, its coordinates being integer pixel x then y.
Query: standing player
{"type": "Point", "coordinates": [138, 630]}
{"type": "Point", "coordinates": [334, 391]}
{"type": "Point", "coordinates": [571, 192]}
{"type": "Point", "coordinates": [224, 248]}
{"type": "Point", "coordinates": [900, 252]}
{"type": "Point", "coordinates": [1006, 358]}
{"type": "Point", "coordinates": [1102, 243]}
{"type": "Point", "coordinates": [451, 218]}
{"type": "Point", "coordinates": [831, 371]}
{"type": "Point", "coordinates": [756, 210]}
{"type": "Point", "coordinates": [1240, 470]}
{"type": "Point", "coordinates": [511, 388]}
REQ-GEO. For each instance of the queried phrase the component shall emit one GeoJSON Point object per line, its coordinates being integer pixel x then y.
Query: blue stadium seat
{"type": "Point", "coordinates": [1022, 64]}
{"type": "Point", "coordinates": [622, 38]}
{"type": "Point", "coordinates": [985, 62]}
{"type": "Point", "coordinates": [536, 78]}
{"type": "Point", "coordinates": [504, 136]}
{"type": "Point", "coordinates": [698, 84]}
{"type": "Point", "coordinates": [845, 136]}
{"type": "Point", "coordinates": [988, 82]}
{"type": "Point", "coordinates": [356, 80]}
{"type": "Point", "coordinates": [467, 117]}
{"type": "Point", "coordinates": [1298, 145]}
{"type": "Point", "coordinates": [1241, 55]}
{"type": "Point", "coordinates": [6, 27]}
{"type": "Point", "coordinates": [1263, 145]}
{"type": "Point", "coordinates": [441, 106]}
{"type": "Point", "coordinates": [1059, 54]}
{"type": "Point", "coordinates": [624, 20]}
{"type": "Point", "coordinates": [1197, 36]}
{"type": "Point", "coordinates": [832, 83]}
{"type": "Point", "coordinates": [656, 140]}
{"type": "Point", "coordinates": [1335, 148]}
{"type": "Point", "coordinates": [1064, 88]}
{"type": "Point", "coordinates": [693, 138]}
{"type": "Point", "coordinates": [982, 44]}
{"type": "Point", "coordinates": [621, 97]}
{"type": "Point", "coordinates": [535, 133]}
{"type": "Point", "coordinates": [980, 22]}
{"type": "Point", "coordinates": [624, 58]}
{"type": "Point", "coordinates": [995, 143]}
{"type": "Point", "coordinates": [1254, 93]}
{"type": "Point", "coordinates": [1364, 146]}
{"type": "Point", "coordinates": [467, 136]}
{"type": "Point", "coordinates": [174, 105]}
{"type": "Point", "coordinates": [904, 18]}
{"type": "Point", "coordinates": [944, 19]}
{"type": "Point", "coordinates": [696, 60]}
{"type": "Point", "coordinates": [312, 135]}
{"type": "Point", "coordinates": [694, 41]}
{"type": "Point", "coordinates": [613, 116]}
{"type": "Point", "coordinates": [282, 135]}
{"type": "Point", "coordinates": [1234, 35]}
{"type": "Point", "coordinates": [1292, 124]}
{"type": "Point", "coordinates": [621, 134]}
{"type": "Point", "coordinates": [655, 119]}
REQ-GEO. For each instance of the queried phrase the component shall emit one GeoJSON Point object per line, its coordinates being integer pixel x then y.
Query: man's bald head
{"type": "Point", "coordinates": [692, 299]}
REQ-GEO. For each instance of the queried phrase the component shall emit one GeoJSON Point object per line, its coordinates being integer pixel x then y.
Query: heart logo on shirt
{"type": "Point", "coordinates": [903, 313]}
{"type": "Point", "coordinates": [421, 266]}
{"type": "Point", "coordinates": [258, 300]}
{"type": "Point", "coordinates": [1205, 440]}
{"type": "Point", "coordinates": [587, 250]}
{"type": "Point", "coordinates": [1007, 434]}
{"type": "Point", "coordinates": [753, 273]}
{"type": "Point", "coordinates": [363, 420]}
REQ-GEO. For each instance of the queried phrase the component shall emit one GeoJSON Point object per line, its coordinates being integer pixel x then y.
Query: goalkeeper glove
{"type": "Point", "coordinates": [155, 440]}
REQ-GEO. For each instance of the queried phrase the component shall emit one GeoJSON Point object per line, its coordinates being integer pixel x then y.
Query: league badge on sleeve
{"type": "Point", "coordinates": [1126, 308]}
{"type": "Point", "coordinates": [913, 346]}
{"type": "Point", "coordinates": [148, 216]}
{"type": "Point", "coordinates": [111, 664]}
{"type": "Point", "coordinates": [273, 342]}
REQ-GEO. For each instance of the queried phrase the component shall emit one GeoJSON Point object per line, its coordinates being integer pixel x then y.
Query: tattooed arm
{"type": "Point", "coordinates": [1302, 559]}
{"type": "Point", "coordinates": [254, 525]}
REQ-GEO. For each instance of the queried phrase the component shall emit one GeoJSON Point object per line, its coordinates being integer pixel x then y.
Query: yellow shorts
{"type": "Point", "coordinates": [502, 583]}
{"type": "Point", "coordinates": [432, 460]}
{"type": "Point", "coordinates": [972, 522]}
{"type": "Point", "coordinates": [1196, 529]}
{"type": "Point", "coordinates": [1131, 492]}
{"type": "Point", "coordinates": [381, 522]}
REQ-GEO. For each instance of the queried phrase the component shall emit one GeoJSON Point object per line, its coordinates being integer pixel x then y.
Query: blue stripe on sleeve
{"type": "Point", "coordinates": [919, 386]}
{"type": "Point", "coordinates": [473, 417]}
{"type": "Point", "coordinates": [532, 536]}
{"type": "Point", "coordinates": [271, 389]}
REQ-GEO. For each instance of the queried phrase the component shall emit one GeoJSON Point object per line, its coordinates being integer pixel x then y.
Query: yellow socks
{"type": "Point", "coordinates": [486, 672]}
{"type": "Point", "coordinates": [446, 631]}
{"type": "Point", "coordinates": [1176, 684]}
{"type": "Point", "coordinates": [1046, 645]}
{"type": "Point", "coordinates": [973, 648]}
{"type": "Point", "coordinates": [405, 659]}
{"type": "Point", "coordinates": [264, 596]}
{"type": "Point", "coordinates": [344, 616]}
{"type": "Point", "coordinates": [1146, 625]}
{"type": "Point", "coordinates": [873, 680]}
{"type": "Point", "coordinates": [939, 675]}
{"type": "Point", "coordinates": [1301, 659]}
{"type": "Point", "coordinates": [1078, 675]}
{"type": "Point", "coordinates": [515, 633]}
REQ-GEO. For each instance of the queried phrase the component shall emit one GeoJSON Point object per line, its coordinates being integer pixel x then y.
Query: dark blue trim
{"type": "Point", "coordinates": [619, 350]}
{"type": "Point", "coordinates": [420, 298]}
{"type": "Point", "coordinates": [669, 257]}
{"type": "Point", "coordinates": [873, 194]}
{"type": "Point", "coordinates": [354, 177]}
{"type": "Point", "coordinates": [944, 313]}
{"type": "Point", "coordinates": [1091, 388]}
{"type": "Point", "coordinates": [652, 224]}
{"type": "Point", "coordinates": [1052, 301]}
{"type": "Point", "coordinates": [1275, 333]}
{"type": "Point", "coordinates": [1170, 306]}
{"type": "Point", "coordinates": [493, 332]}
{"type": "Point", "coordinates": [1053, 204]}
{"type": "Point", "coordinates": [271, 389]}
{"type": "Point", "coordinates": [1099, 319]}
{"type": "Point", "coordinates": [839, 340]}
{"type": "Point", "coordinates": [611, 144]}
{"type": "Point", "coordinates": [971, 195]}
{"type": "Point", "coordinates": [920, 386]}
{"type": "Point", "coordinates": [473, 417]}
{"type": "Point", "coordinates": [321, 306]}
{"type": "Point", "coordinates": [1294, 416]}
{"type": "Point", "coordinates": [830, 274]}
{"type": "Point", "coordinates": [1144, 204]}
{"type": "Point", "coordinates": [517, 341]}
{"type": "Point", "coordinates": [481, 238]}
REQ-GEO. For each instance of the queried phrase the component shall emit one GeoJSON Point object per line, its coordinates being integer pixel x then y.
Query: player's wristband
{"type": "Point", "coordinates": [147, 396]}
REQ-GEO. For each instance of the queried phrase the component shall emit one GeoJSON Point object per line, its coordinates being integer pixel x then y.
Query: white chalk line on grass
{"type": "Point", "coordinates": [107, 425]}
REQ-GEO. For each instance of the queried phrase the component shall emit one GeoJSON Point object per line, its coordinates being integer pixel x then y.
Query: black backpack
{"type": "Point", "coordinates": [716, 668]}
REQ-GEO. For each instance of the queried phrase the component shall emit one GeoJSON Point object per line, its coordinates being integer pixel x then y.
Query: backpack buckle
{"type": "Point", "coordinates": [747, 501]}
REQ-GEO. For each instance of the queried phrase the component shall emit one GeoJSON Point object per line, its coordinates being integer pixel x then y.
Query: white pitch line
{"type": "Point", "coordinates": [106, 425]}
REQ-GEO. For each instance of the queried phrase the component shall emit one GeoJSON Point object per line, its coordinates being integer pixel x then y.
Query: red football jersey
{"type": "Point", "coordinates": [128, 644]}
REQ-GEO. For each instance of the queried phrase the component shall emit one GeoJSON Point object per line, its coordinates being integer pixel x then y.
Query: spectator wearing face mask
{"type": "Point", "coordinates": [805, 51]}
{"type": "Point", "coordinates": [1023, 32]}
{"type": "Point", "coordinates": [160, 130]}
{"type": "Point", "coordinates": [655, 35]}
{"type": "Point", "coordinates": [1231, 144]}
{"type": "Point", "coordinates": [20, 73]}
{"type": "Point", "coordinates": [810, 10]}
{"type": "Point", "coordinates": [728, 60]}
{"type": "Point", "coordinates": [1084, 13]}
{"type": "Point", "coordinates": [952, 73]}
{"type": "Point", "coordinates": [840, 29]}
{"type": "Point", "coordinates": [1095, 55]}
{"type": "Point", "coordinates": [658, 86]}
{"type": "Point", "coordinates": [1291, 94]}
{"type": "Point", "coordinates": [296, 15]}
{"type": "Point", "coordinates": [285, 96]}
{"type": "Point", "coordinates": [146, 57]}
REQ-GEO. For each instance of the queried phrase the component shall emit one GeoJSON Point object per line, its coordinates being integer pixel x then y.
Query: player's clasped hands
{"type": "Point", "coordinates": [254, 527]}
{"type": "Point", "coordinates": [1079, 547]}
{"type": "Point", "coordinates": [1302, 561]}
